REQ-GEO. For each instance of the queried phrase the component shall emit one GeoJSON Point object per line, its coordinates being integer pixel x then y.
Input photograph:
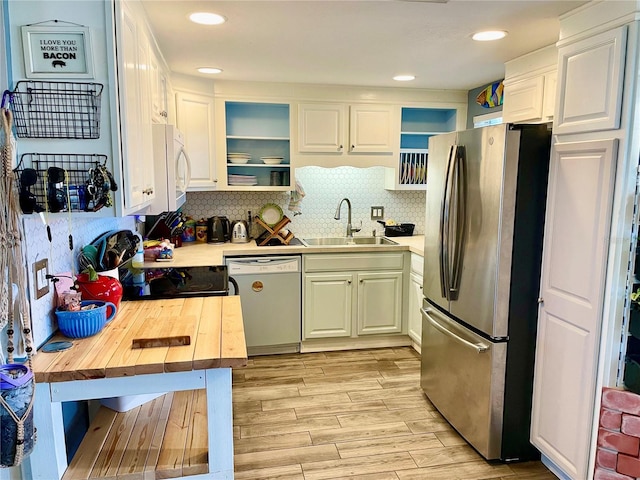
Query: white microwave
{"type": "Point", "coordinates": [172, 169]}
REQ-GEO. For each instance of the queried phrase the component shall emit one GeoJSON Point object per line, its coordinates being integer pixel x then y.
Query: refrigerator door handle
{"type": "Point", "coordinates": [444, 228]}
{"type": "Point", "coordinates": [478, 347]}
{"type": "Point", "coordinates": [460, 220]}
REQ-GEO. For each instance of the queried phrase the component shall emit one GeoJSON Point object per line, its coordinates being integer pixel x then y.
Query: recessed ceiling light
{"type": "Point", "coordinates": [206, 18]}
{"type": "Point", "coordinates": [489, 35]}
{"type": "Point", "coordinates": [210, 70]}
{"type": "Point", "coordinates": [404, 78]}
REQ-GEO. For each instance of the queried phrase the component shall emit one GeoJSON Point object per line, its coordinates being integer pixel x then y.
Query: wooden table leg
{"type": "Point", "coordinates": [48, 461]}
{"type": "Point", "coordinates": [220, 423]}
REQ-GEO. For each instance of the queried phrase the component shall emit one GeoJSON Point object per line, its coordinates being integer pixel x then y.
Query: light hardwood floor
{"type": "Point", "coordinates": [356, 415]}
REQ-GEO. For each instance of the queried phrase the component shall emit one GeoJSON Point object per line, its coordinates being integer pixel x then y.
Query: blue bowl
{"type": "Point", "coordinates": [85, 323]}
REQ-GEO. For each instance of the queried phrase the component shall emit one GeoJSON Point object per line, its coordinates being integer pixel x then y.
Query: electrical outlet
{"type": "Point", "coordinates": [377, 213]}
{"type": "Point", "coordinates": [40, 272]}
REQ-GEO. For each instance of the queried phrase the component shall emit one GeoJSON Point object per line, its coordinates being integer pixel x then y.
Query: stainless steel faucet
{"type": "Point", "coordinates": [350, 229]}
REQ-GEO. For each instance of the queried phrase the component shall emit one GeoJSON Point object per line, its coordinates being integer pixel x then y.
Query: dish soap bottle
{"type": "Point", "coordinates": [137, 261]}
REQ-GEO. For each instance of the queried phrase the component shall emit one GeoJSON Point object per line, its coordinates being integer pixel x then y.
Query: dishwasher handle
{"type": "Point", "coordinates": [248, 266]}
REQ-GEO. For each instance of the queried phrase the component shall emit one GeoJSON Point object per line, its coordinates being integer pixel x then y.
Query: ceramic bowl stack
{"type": "Point", "coordinates": [238, 158]}
{"type": "Point", "coordinates": [271, 160]}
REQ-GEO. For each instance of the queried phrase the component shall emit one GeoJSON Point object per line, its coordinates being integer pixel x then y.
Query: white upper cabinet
{"type": "Point", "coordinates": [371, 129]}
{"type": "Point", "coordinates": [195, 119]}
{"type": "Point", "coordinates": [530, 87]}
{"type": "Point", "coordinates": [135, 109]}
{"type": "Point", "coordinates": [159, 90]}
{"type": "Point", "coordinates": [332, 134]}
{"type": "Point", "coordinates": [321, 127]}
{"type": "Point", "coordinates": [592, 72]}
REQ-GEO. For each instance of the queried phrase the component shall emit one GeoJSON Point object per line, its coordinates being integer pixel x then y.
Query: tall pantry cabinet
{"type": "Point", "coordinates": [592, 176]}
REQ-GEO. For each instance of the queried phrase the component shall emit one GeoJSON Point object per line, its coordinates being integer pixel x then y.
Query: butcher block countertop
{"type": "Point", "coordinates": [213, 324]}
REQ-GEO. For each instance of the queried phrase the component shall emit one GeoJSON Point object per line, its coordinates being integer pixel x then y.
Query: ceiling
{"type": "Point", "coordinates": [356, 42]}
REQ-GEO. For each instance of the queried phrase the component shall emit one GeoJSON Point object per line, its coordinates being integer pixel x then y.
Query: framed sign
{"type": "Point", "coordinates": [57, 51]}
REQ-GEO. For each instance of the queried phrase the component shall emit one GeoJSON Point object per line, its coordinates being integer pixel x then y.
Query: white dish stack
{"type": "Point", "coordinates": [238, 158]}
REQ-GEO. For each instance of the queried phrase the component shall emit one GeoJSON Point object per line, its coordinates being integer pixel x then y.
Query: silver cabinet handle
{"type": "Point", "coordinates": [478, 347]}
{"type": "Point", "coordinates": [348, 282]}
{"type": "Point", "coordinates": [540, 300]}
{"type": "Point", "coordinates": [340, 147]}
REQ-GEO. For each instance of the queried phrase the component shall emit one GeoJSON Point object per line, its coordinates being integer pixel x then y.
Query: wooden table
{"type": "Point", "coordinates": [106, 366]}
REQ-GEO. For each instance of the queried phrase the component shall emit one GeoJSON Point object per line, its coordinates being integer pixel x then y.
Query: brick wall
{"type": "Point", "coordinates": [618, 455]}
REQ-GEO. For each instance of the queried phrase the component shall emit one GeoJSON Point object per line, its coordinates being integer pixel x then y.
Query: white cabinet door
{"type": "Point", "coordinates": [145, 132]}
{"type": "Point", "coordinates": [592, 73]}
{"type": "Point", "coordinates": [549, 100]}
{"type": "Point", "coordinates": [371, 129]}
{"type": "Point", "coordinates": [580, 193]}
{"type": "Point", "coordinates": [321, 127]}
{"type": "Point", "coordinates": [195, 119]}
{"type": "Point", "coordinates": [523, 100]}
{"type": "Point", "coordinates": [328, 305]}
{"type": "Point", "coordinates": [379, 302]}
{"type": "Point", "coordinates": [135, 115]}
{"type": "Point", "coordinates": [414, 328]}
{"type": "Point", "coordinates": [159, 105]}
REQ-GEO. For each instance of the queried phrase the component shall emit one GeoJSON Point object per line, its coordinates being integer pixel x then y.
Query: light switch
{"type": "Point", "coordinates": [40, 272]}
{"type": "Point", "coordinates": [377, 213]}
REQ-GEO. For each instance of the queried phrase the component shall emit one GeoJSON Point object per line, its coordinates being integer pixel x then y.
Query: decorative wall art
{"type": "Point", "coordinates": [58, 50]}
{"type": "Point", "coordinates": [491, 96]}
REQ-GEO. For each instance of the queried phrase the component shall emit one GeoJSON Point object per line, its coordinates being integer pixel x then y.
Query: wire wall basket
{"type": "Point", "coordinates": [61, 182]}
{"type": "Point", "coordinates": [57, 109]}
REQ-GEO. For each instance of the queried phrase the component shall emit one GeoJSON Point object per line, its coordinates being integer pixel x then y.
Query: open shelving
{"type": "Point", "coordinates": [417, 126]}
{"type": "Point", "coordinates": [261, 130]}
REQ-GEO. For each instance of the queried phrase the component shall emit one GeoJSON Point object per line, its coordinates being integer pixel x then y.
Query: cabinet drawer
{"type": "Point", "coordinates": [349, 262]}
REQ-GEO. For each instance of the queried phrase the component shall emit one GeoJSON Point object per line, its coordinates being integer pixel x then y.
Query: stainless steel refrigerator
{"type": "Point", "coordinates": [486, 193]}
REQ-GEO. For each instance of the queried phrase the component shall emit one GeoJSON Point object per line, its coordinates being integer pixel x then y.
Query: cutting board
{"type": "Point", "coordinates": [170, 332]}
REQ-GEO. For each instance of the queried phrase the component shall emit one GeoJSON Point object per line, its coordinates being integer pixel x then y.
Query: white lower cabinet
{"type": "Point", "coordinates": [328, 305]}
{"type": "Point", "coordinates": [414, 326]}
{"type": "Point", "coordinates": [379, 302]}
{"type": "Point", "coordinates": [352, 295]}
{"type": "Point", "coordinates": [414, 300]}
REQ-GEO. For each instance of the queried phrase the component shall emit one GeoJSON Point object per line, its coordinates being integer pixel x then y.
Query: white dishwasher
{"type": "Point", "coordinates": [270, 293]}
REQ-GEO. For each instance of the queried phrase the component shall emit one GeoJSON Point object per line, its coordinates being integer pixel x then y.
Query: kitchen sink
{"type": "Point", "coordinates": [326, 241]}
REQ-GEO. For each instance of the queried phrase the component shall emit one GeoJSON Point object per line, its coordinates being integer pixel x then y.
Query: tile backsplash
{"type": "Point", "coordinates": [36, 246]}
{"type": "Point", "coordinates": [324, 188]}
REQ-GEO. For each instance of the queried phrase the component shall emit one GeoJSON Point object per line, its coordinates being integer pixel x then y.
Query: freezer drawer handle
{"type": "Point", "coordinates": [478, 347]}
